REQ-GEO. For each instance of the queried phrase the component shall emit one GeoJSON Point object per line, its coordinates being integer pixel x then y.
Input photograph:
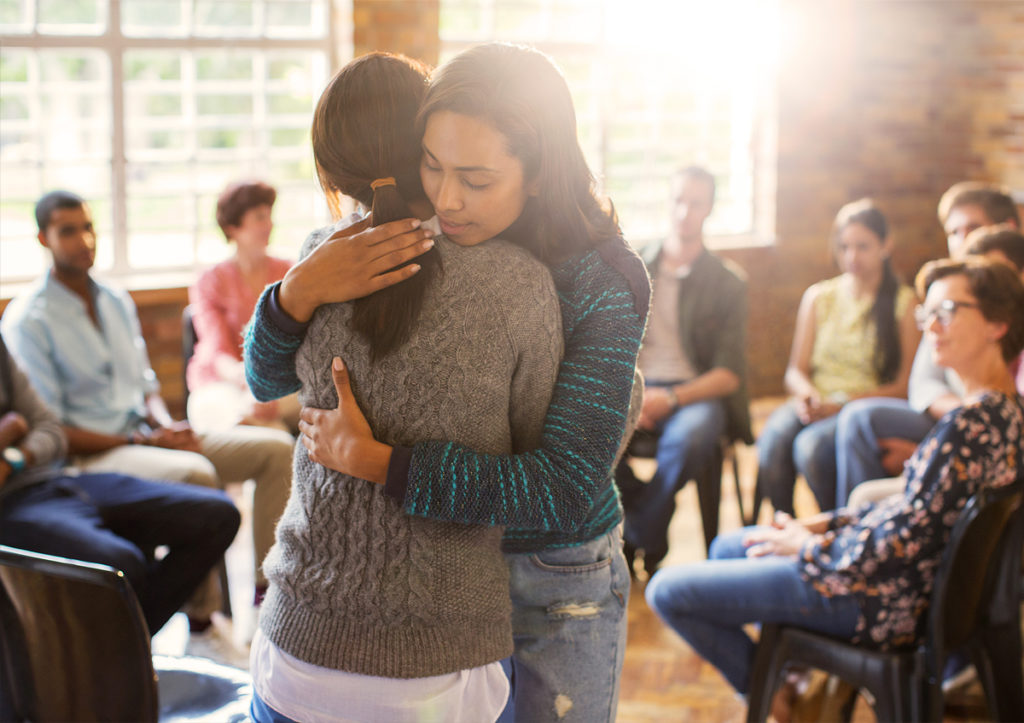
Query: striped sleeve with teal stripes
{"type": "Point", "coordinates": [272, 340]}
{"type": "Point", "coordinates": [561, 492]}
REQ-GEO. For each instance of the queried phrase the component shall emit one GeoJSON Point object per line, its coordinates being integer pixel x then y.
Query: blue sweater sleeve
{"type": "Point", "coordinates": [553, 487]}
{"type": "Point", "coordinates": [272, 340]}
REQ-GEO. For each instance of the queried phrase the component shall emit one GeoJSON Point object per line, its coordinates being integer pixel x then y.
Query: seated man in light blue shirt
{"type": "Point", "coordinates": [81, 344]}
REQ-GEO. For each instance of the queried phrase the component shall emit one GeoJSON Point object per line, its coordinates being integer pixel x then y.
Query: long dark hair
{"type": "Point", "coordinates": [521, 93]}
{"type": "Point", "coordinates": [364, 130]}
{"type": "Point", "coordinates": [888, 352]}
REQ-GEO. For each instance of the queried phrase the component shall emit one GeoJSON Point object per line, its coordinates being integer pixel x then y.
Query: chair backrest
{"type": "Point", "coordinates": [188, 344]}
{"type": "Point", "coordinates": [984, 550]}
{"type": "Point", "coordinates": [77, 638]}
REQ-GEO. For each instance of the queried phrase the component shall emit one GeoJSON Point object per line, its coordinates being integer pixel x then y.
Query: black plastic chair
{"type": "Point", "coordinates": [709, 481]}
{"type": "Point", "coordinates": [74, 646]}
{"type": "Point", "coordinates": [975, 604]}
{"type": "Point", "coordinates": [188, 347]}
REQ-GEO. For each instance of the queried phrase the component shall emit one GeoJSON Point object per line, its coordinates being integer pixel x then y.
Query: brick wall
{"type": "Point", "coordinates": [409, 27]}
{"type": "Point", "coordinates": [896, 99]}
{"type": "Point", "coordinates": [160, 315]}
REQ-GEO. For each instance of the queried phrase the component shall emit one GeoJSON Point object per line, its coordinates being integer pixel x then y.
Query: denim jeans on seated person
{"type": "Point", "coordinates": [686, 445]}
{"type": "Point", "coordinates": [119, 520]}
{"type": "Point", "coordinates": [862, 423]}
{"type": "Point", "coordinates": [786, 447]}
{"type": "Point", "coordinates": [709, 602]}
{"type": "Point", "coordinates": [569, 625]}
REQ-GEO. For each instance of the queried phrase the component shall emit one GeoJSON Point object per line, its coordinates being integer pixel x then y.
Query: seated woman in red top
{"type": "Point", "coordinates": [222, 301]}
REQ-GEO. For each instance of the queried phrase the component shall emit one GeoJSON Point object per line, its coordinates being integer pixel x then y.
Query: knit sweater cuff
{"type": "Point", "coordinates": [397, 483]}
{"type": "Point", "coordinates": [281, 318]}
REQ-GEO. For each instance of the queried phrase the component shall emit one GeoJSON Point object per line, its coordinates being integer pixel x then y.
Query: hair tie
{"type": "Point", "coordinates": [386, 181]}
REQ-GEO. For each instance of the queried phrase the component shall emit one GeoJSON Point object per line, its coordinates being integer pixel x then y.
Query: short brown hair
{"type": "Point", "coordinates": [698, 173]}
{"type": "Point", "coordinates": [238, 198]}
{"type": "Point", "coordinates": [997, 288]}
{"type": "Point", "coordinates": [997, 204]}
{"type": "Point", "coordinates": [1004, 239]}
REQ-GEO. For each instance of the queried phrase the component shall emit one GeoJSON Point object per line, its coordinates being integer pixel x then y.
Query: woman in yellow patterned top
{"type": "Point", "coordinates": [855, 337]}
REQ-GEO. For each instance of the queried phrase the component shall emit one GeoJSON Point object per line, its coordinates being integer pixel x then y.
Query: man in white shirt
{"type": "Point", "coordinates": [81, 344]}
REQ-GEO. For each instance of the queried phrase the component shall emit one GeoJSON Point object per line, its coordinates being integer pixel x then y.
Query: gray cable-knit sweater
{"type": "Point", "coordinates": [355, 583]}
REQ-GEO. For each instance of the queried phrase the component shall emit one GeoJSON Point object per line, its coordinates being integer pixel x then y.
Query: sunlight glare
{"type": "Point", "coordinates": [718, 42]}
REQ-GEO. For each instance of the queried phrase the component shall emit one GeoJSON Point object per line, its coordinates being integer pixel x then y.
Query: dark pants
{"type": "Point", "coordinates": [120, 521]}
{"type": "Point", "coordinates": [687, 442]}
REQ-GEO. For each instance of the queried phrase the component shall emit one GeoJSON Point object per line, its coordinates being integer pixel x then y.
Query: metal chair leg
{"type": "Point", "coordinates": [225, 589]}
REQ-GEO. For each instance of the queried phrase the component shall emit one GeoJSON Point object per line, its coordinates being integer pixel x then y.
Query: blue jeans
{"type": "Point", "coordinates": [787, 446]}
{"type": "Point", "coordinates": [260, 712]}
{"type": "Point", "coordinates": [861, 424]}
{"type": "Point", "coordinates": [686, 446]}
{"type": "Point", "coordinates": [569, 624]}
{"type": "Point", "coordinates": [118, 520]}
{"type": "Point", "coordinates": [708, 603]}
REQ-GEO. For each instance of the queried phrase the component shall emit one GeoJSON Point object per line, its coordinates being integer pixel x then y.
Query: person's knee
{"type": "Point", "coordinates": [276, 448]}
{"type": "Point", "coordinates": [223, 519]}
{"type": "Point", "coordinates": [198, 470]}
{"type": "Point", "coordinates": [854, 423]}
{"type": "Point", "coordinates": [728, 545]}
{"type": "Point", "coordinates": [690, 443]}
{"type": "Point", "coordinates": [658, 593]}
{"type": "Point", "coordinates": [670, 592]}
{"type": "Point", "coordinates": [813, 452]}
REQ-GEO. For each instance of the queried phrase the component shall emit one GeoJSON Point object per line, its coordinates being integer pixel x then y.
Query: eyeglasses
{"type": "Point", "coordinates": [943, 313]}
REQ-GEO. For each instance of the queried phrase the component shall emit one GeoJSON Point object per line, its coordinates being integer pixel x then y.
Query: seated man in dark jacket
{"type": "Point", "coordinates": [693, 362]}
{"type": "Point", "coordinates": [112, 519]}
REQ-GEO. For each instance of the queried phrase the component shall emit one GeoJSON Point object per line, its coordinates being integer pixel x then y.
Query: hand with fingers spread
{"type": "Point", "coordinates": [341, 439]}
{"type": "Point", "coordinates": [355, 262]}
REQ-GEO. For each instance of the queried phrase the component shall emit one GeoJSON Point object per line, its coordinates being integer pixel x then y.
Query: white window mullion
{"type": "Point", "coordinates": [159, 217]}
{"type": "Point", "coordinates": [118, 160]}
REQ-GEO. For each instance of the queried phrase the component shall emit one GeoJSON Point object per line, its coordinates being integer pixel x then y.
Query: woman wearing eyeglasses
{"type": "Point", "coordinates": [866, 574]}
{"type": "Point", "coordinates": [855, 337]}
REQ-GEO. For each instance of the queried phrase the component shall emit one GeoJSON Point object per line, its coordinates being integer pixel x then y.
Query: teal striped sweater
{"type": "Point", "coordinates": [557, 495]}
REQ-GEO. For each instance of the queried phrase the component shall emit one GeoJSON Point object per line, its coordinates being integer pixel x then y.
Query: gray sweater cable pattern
{"type": "Point", "coordinates": [356, 583]}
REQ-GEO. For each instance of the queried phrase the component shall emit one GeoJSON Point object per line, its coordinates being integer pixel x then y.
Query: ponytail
{"type": "Point", "coordinates": [366, 147]}
{"type": "Point", "coordinates": [888, 351]}
{"type": "Point", "coordinates": [387, 317]}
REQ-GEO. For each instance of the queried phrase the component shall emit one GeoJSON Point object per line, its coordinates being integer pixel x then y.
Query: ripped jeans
{"type": "Point", "coordinates": [569, 623]}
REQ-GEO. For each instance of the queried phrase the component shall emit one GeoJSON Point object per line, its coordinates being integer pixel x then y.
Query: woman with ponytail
{"type": "Point", "coordinates": [855, 337]}
{"type": "Point", "coordinates": [373, 614]}
{"type": "Point", "coordinates": [569, 579]}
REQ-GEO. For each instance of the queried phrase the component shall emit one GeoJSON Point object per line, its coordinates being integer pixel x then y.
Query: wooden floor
{"type": "Point", "coordinates": [662, 679]}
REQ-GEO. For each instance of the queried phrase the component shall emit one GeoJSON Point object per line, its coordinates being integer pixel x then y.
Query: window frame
{"type": "Point", "coordinates": [764, 147]}
{"type": "Point", "coordinates": [114, 44]}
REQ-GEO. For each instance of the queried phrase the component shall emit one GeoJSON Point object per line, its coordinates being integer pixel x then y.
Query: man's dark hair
{"type": "Point", "coordinates": [1008, 241]}
{"type": "Point", "coordinates": [699, 173]}
{"type": "Point", "coordinates": [997, 205]}
{"type": "Point", "coordinates": [52, 201]}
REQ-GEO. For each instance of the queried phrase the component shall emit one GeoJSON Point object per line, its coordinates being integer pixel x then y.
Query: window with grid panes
{"type": "Point", "coordinates": [148, 109]}
{"type": "Point", "coordinates": [658, 85]}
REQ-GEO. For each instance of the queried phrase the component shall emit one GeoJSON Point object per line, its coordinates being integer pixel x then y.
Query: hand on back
{"type": "Point", "coordinates": [354, 262]}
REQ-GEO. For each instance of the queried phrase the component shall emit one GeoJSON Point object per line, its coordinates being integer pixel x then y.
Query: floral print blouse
{"type": "Point", "coordinates": [887, 554]}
